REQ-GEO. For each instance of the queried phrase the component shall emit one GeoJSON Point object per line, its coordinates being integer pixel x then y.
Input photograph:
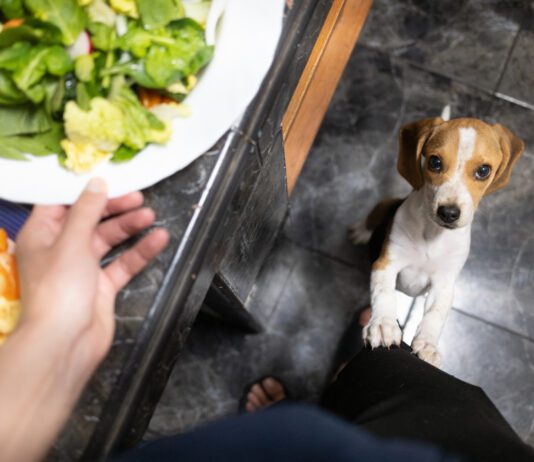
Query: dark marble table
{"type": "Point", "coordinates": [207, 208]}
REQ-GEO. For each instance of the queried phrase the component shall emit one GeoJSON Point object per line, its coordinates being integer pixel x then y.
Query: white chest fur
{"type": "Point", "coordinates": [423, 252]}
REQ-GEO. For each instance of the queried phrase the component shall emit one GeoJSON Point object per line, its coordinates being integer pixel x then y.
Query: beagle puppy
{"type": "Point", "coordinates": [420, 244]}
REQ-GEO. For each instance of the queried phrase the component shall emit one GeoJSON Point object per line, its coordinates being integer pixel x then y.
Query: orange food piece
{"type": "Point", "coordinates": [149, 98]}
{"type": "Point", "coordinates": [9, 280]}
{"type": "Point", "coordinates": [3, 240]}
{"type": "Point", "coordinates": [13, 23]}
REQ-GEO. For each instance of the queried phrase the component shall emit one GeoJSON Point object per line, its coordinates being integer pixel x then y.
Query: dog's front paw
{"type": "Point", "coordinates": [359, 234]}
{"type": "Point", "coordinates": [426, 351]}
{"type": "Point", "coordinates": [383, 331]}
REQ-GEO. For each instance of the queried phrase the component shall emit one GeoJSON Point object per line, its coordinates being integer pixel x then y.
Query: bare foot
{"type": "Point", "coordinates": [264, 394]}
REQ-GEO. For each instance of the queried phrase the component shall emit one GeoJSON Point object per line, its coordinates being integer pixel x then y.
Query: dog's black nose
{"type": "Point", "coordinates": [448, 213]}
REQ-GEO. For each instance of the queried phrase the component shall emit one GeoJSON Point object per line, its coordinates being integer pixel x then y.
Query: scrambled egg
{"type": "Point", "coordinates": [9, 289]}
{"type": "Point", "coordinates": [82, 157]}
{"type": "Point", "coordinates": [127, 7]}
{"type": "Point", "coordinates": [102, 125]}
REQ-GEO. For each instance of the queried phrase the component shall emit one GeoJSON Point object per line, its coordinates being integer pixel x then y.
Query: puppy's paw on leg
{"type": "Point", "coordinates": [383, 331]}
{"type": "Point", "coordinates": [359, 234]}
{"type": "Point", "coordinates": [426, 351]}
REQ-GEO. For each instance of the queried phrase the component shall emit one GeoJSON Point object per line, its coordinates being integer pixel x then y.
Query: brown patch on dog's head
{"type": "Point", "coordinates": [511, 149]}
{"type": "Point", "coordinates": [412, 137]}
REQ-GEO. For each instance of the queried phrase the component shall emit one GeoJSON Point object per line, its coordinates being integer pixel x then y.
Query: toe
{"type": "Point", "coordinates": [260, 394]}
{"type": "Point", "coordinates": [254, 400]}
{"type": "Point", "coordinates": [274, 388]}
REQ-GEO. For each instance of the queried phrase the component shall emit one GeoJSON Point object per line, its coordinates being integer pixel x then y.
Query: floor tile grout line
{"type": "Point", "coordinates": [515, 101]}
{"type": "Point", "coordinates": [507, 61]}
{"type": "Point", "coordinates": [495, 95]}
{"type": "Point", "coordinates": [283, 288]}
{"type": "Point", "coordinates": [491, 93]}
{"type": "Point", "coordinates": [323, 254]}
{"type": "Point", "coordinates": [434, 72]}
{"type": "Point", "coordinates": [445, 76]}
{"type": "Point", "coordinates": [493, 324]}
{"type": "Point", "coordinates": [281, 293]}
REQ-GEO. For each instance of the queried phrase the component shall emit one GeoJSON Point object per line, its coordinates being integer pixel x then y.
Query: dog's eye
{"type": "Point", "coordinates": [434, 164]}
{"type": "Point", "coordinates": [483, 172]}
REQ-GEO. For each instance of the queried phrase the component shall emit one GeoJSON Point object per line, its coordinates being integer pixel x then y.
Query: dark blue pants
{"type": "Point", "coordinates": [285, 433]}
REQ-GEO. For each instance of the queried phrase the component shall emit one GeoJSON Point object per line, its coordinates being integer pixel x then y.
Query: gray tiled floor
{"type": "Point", "coordinates": [468, 40]}
{"type": "Point", "coordinates": [304, 301]}
{"type": "Point", "coordinates": [413, 58]}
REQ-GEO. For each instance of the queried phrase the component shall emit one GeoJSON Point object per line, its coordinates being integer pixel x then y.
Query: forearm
{"type": "Point", "coordinates": [39, 386]}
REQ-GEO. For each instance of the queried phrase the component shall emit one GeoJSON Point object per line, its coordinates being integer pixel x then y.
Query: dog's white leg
{"type": "Point", "coordinates": [383, 329]}
{"type": "Point", "coordinates": [437, 306]}
{"type": "Point", "coordinates": [359, 234]}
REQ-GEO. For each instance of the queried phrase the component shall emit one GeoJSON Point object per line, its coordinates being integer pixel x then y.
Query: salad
{"type": "Point", "coordinates": [96, 80]}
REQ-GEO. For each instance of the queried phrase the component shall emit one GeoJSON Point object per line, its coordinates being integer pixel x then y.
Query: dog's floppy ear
{"type": "Point", "coordinates": [511, 147]}
{"type": "Point", "coordinates": [412, 137]}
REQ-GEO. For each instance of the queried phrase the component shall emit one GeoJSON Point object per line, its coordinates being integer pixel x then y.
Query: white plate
{"type": "Point", "coordinates": [248, 35]}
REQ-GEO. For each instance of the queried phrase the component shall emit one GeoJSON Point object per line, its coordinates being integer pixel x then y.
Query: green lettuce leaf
{"type": "Point", "coordinates": [9, 93]}
{"type": "Point", "coordinates": [163, 67]}
{"type": "Point", "coordinates": [31, 68]}
{"type": "Point", "coordinates": [42, 144]}
{"type": "Point", "coordinates": [11, 153]}
{"type": "Point", "coordinates": [137, 41]}
{"type": "Point", "coordinates": [30, 63]}
{"type": "Point", "coordinates": [12, 9]}
{"type": "Point", "coordinates": [138, 121]}
{"type": "Point", "coordinates": [58, 61]}
{"type": "Point", "coordinates": [33, 31]}
{"type": "Point", "coordinates": [133, 69]}
{"type": "Point", "coordinates": [102, 36]}
{"type": "Point", "coordinates": [158, 13]}
{"type": "Point", "coordinates": [10, 58]}
{"type": "Point", "coordinates": [124, 154]}
{"type": "Point", "coordinates": [23, 120]}
{"type": "Point", "coordinates": [67, 15]}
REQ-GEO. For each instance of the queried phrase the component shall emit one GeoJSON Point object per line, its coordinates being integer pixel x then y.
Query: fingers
{"type": "Point", "coordinates": [42, 227]}
{"type": "Point", "coordinates": [131, 262]}
{"type": "Point", "coordinates": [122, 204]}
{"type": "Point", "coordinates": [48, 212]}
{"type": "Point", "coordinates": [116, 230]}
{"type": "Point", "coordinates": [85, 214]}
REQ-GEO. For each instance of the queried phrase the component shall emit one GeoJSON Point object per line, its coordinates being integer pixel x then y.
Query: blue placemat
{"type": "Point", "coordinates": [12, 217]}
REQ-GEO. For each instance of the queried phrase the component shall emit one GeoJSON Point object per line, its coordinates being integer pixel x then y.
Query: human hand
{"type": "Point", "coordinates": [63, 287]}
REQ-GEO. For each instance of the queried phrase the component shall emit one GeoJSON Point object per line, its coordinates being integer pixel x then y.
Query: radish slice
{"type": "Point", "coordinates": [82, 46]}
